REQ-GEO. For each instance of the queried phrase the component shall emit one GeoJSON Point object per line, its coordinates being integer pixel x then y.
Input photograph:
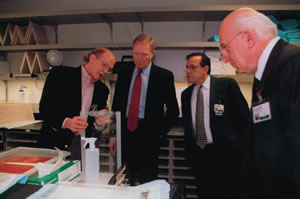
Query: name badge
{"type": "Point", "coordinates": [261, 112]}
{"type": "Point", "coordinates": [219, 109]}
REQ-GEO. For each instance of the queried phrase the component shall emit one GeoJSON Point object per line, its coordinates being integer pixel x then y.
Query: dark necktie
{"type": "Point", "coordinates": [201, 138]}
{"type": "Point", "coordinates": [255, 90]}
{"type": "Point", "coordinates": [133, 111]}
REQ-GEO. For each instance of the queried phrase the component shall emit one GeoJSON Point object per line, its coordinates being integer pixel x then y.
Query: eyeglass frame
{"type": "Point", "coordinates": [192, 68]}
{"type": "Point", "coordinates": [104, 65]}
{"type": "Point", "coordinates": [223, 47]}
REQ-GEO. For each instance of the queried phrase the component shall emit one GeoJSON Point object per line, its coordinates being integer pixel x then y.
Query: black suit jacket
{"type": "Point", "coordinates": [217, 167]}
{"type": "Point", "coordinates": [273, 157]}
{"type": "Point", "coordinates": [160, 95]}
{"type": "Point", "coordinates": [161, 108]}
{"type": "Point", "coordinates": [227, 130]}
{"type": "Point", "coordinates": [61, 98]}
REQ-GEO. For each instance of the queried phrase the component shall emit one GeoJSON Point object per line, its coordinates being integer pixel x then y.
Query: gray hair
{"type": "Point", "coordinates": [263, 26]}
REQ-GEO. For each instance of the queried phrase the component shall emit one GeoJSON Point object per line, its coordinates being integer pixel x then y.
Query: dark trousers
{"type": "Point", "coordinates": [218, 175]}
{"type": "Point", "coordinates": [140, 152]}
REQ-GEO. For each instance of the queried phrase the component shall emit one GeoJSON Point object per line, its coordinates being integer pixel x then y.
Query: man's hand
{"type": "Point", "coordinates": [112, 146]}
{"type": "Point", "coordinates": [77, 124]}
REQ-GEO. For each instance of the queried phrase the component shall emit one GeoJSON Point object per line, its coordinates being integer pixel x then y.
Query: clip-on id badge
{"type": "Point", "coordinates": [261, 111]}
{"type": "Point", "coordinates": [219, 109]}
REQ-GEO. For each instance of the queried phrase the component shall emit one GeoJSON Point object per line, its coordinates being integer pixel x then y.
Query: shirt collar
{"type": "Point", "coordinates": [145, 71]}
{"type": "Point", "coordinates": [206, 83]}
{"type": "Point", "coordinates": [264, 58]}
{"type": "Point", "coordinates": [85, 76]}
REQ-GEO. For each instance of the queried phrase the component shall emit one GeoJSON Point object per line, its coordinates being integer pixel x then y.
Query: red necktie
{"type": "Point", "coordinates": [133, 112]}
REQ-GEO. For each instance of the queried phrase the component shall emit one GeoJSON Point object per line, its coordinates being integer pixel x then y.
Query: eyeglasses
{"type": "Point", "coordinates": [223, 47]}
{"type": "Point", "coordinates": [106, 66]}
{"type": "Point", "coordinates": [192, 68]}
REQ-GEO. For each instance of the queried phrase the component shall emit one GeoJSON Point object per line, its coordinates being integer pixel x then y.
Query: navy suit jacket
{"type": "Point", "coordinates": [272, 167]}
{"type": "Point", "coordinates": [61, 98]}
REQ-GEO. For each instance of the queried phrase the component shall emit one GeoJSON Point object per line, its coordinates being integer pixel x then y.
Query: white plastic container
{"type": "Point", "coordinates": [91, 164]}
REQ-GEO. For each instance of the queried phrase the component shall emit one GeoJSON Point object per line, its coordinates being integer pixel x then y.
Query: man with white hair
{"type": "Point", "coordinates": [249, 42]}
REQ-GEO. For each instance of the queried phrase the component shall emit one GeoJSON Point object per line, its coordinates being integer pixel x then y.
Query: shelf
{"type": "Point", "coordinates": [163, 167]}
{"type": "Point", "coordinates": [184, 177]}
{"type": "Point", "coordinates": [146, 14]}
{"type": "Point", "coordinates": [5, 76]}
{"type": "Point", "coordinates": [182, 168]}
{"type": "Point", "coordinates": [21, 141]}
{"type": "Point", "coordinates": [125, 45]}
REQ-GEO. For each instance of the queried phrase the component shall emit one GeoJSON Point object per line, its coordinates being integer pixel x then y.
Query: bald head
{"type": "Point", "coordinates": [248, 18]}
{"type": "Point", "coordinates": [244, 34]}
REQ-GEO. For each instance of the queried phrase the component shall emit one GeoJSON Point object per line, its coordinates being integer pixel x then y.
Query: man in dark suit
{"type": "Point", "coordinates": [68, 92]}
{"type": "Point", "coordinates": [157, 110]}
{"type": "Point", "coordinates": [249, 42]}
{"type": "Point", "coordinates": [216, 154]}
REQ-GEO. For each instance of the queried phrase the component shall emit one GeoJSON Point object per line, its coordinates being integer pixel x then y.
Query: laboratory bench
{"type": "Point", "coordinates": [172, 164]}
{"type": "Point", "coordinates": [22, 191]}
{"type": "Point", "coordinates": [25, 135]}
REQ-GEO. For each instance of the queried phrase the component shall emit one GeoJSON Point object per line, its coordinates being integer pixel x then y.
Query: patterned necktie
{"type": "Point", "coordinates": [133, 111]}
{"type": "Point", "coordinates": [201, 138]}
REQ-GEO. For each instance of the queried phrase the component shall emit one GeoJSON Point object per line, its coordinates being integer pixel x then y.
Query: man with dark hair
{"type": "Point", "coordinates": [147, 115]}
{"type": "Point", "coordinates": [215, 116]}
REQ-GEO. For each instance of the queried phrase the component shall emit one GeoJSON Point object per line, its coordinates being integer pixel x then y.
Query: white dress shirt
{"type": "Point", "coordinates": [206, 95]}
{"type": "Point", "coordinates": [262, 62]}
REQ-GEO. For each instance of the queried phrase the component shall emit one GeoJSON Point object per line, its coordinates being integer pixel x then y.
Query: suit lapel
{"type": "Point", "coordinates": [213, 95]}
{"type": "Point", "coordinates": [127, 80]}
{"type": "Point", "coordinates": [188, 102]}
{"type": "Point", "coordinates": [79, 88]}
{"type": "Point", "coordinates": [273, 60]}
{"type": "Point", "coordinates": [151, 88]}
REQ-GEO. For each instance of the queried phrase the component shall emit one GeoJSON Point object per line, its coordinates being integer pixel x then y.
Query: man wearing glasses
{"type": "Point", "coordinates": [216, 117]}
{"type": "Point", "coordinates": [69, 91]}
{"type": "Point", "coordinates": [249, 42]}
